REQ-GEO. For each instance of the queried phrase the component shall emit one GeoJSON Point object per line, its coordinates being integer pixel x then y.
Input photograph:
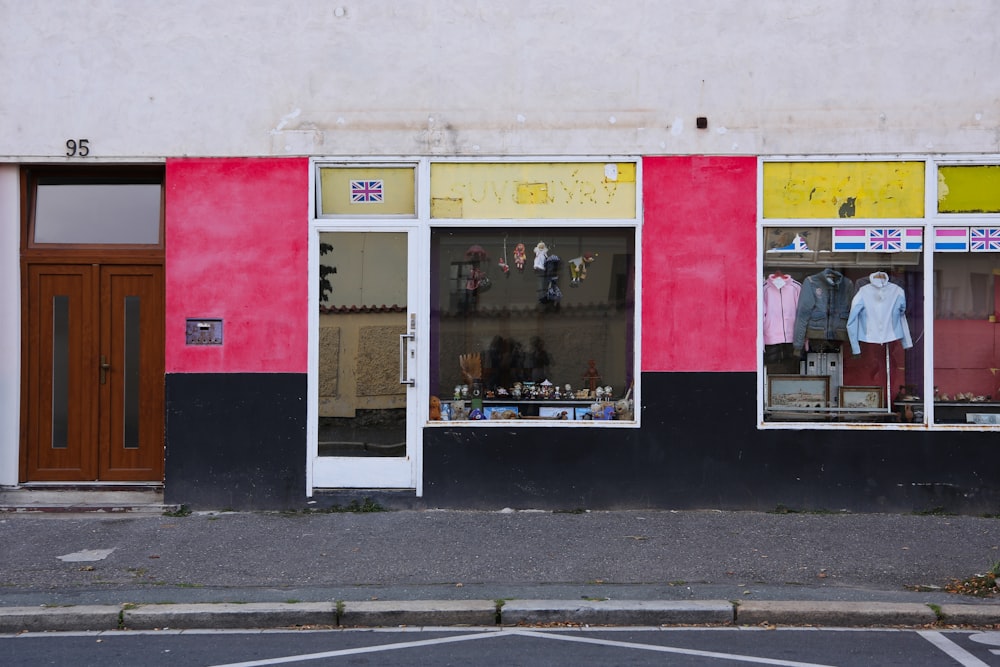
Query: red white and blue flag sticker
{"type": "Point", "coordinates": [878, 239]}
{"type": "Point", "coordinates": [984, 239]}
{"type": "Point", "coordinates": [366, 192]}
{"type": "Point", "coordinates": [885, 240]}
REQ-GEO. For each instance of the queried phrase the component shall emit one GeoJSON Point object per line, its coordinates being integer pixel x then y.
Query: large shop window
{"type": "Point", "coordinates": [966, 388]}
{"type": "Point", "coordinates": [853, 306]}
{"type": "Point", "coordinates": [533, 323]}
{"type": "Point", "coordinates": [839, 324]}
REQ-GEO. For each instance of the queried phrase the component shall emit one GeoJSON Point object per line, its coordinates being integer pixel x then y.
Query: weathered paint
{"type": "Point", "coordinates": [698, 261]}
{"type": "Point", "coordinates": [533, 190]}
{"type": "Point", "coordinates": [969, 189]}
{"type": "Point", "coordinates": [699, 448]}
{"type": "Point", "coordinates": [235, 440]}
{"type": "Point", "coordinates": [397, 190]}
{"type": "Point", "coordinates": [237, 249]}
{"type": "Point", "coordinates": [843, 189]}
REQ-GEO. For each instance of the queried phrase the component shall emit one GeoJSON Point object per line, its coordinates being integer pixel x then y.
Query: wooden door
{"type": "Point", "coordinates": [94, 376]}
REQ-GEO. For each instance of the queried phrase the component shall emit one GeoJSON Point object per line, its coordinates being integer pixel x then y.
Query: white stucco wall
{"type": "Point", "coordinates": [145, 78]}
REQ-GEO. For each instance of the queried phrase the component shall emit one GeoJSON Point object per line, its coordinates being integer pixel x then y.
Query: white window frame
{"type": "Point", "coordinates": [930, 221]}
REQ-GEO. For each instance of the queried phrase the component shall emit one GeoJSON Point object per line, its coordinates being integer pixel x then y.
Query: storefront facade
{"type": "Point", "coordinates": [546, 318]}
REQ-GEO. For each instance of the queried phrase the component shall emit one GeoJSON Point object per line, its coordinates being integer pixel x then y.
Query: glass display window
{"type": "Point", "coordinates": [966, 335]}
{"type": "Point", "coordinates": [532, 323]}
{"type": "Point", "coordinates": [842, 324]}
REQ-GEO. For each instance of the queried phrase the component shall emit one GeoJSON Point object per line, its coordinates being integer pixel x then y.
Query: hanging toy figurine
{"type": "Point", "coordinates": [541, 254]}
{"type": "Point", "coordinates": [578, 268]}
{"type": "Point", "coordinates": [519, 256]}
{"type": "Point", "coordinates": [502, 262]}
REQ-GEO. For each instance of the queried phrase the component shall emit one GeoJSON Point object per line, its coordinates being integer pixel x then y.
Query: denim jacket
{"type": "Point", "coordinates": [824, 306]}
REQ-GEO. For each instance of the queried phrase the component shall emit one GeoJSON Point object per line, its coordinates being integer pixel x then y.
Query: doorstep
{"type": "Point", "coordinates": [116, 499]}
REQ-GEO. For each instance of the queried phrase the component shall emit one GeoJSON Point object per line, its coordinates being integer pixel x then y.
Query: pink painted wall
{"type": "Point", "coordinates": [699, 308]}
{"type": "Point", "coordinates": [237, 249]}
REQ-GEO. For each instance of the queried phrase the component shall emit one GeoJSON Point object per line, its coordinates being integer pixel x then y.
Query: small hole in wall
{"type": "Point", "coordinates": [701, 122]}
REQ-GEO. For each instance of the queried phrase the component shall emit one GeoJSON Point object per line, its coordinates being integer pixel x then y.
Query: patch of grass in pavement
{"type": "Point", "coordinates": [936, 511]}
{"type": "Point", "coordinates": [784, 509]}
{"type": "Point", "coordinates": [363, 507]}
{"type": "Point", "coordinates": [183, 510]}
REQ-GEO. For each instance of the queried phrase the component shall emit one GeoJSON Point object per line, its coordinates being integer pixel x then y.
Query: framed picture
{"type": "Point", "coordinates": [862, 397]}
{"type": "Point", "coordinates": [500, 412]}
{"type": "Point", "coordinates": [549, 412]}
{"type": "Point", "coordinates": [798, 391]}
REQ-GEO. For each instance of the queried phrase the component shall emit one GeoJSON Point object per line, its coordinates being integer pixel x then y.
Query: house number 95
{"type": "Point", "coordinates": [77, 147]}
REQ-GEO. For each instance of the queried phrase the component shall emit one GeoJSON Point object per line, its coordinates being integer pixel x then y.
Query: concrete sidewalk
{"type": "Point", "coordinates": [107, 570]}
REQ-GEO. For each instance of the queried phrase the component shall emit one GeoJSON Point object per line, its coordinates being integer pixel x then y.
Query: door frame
{"type": "Point", "coordinates": [152, 254]}
{"type": "Point", "coordinates": [342, 472]}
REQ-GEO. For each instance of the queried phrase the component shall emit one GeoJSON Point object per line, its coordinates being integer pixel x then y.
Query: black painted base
{"type": "Point", "coordinates": [239, 440]}
{"type": "Point", "coordinates": [699, 448]}
{"type": "Point", "coordinates": [235, 441]}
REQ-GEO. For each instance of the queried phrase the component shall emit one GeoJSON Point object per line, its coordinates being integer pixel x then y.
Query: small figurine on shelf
{"type": "Point", "coordinates": [591, 377]}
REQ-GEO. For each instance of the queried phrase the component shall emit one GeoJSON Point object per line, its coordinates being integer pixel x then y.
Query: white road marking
{"type": "Point", "coordinates": [669, 649]}
{"type": "Point", "coordinates": [522, 633]}
{"type": "Point", "coordinates": [358, 651]}
{"type": "Point", "coordinates": [951, 649]}
{"type": "Point", "coordinates": [990, 638]}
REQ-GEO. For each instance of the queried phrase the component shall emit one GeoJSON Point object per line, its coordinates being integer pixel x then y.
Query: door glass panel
{"type": "Point", "coordinates": [98, 213]}
{"type": "Point", "coordinates": [363, 316]}
{"type": "Point", "coordinates": [60, 372]}
{"type": "Point", "coordinates": [131, 372]}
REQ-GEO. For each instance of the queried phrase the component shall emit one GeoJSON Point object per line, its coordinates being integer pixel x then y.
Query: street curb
{"type": "Point", "coordinates": [617, 612]}
{"type": "Point", "coordinates": [59, 619]}
{"type": "Point", "coordinates": [445, 613]}
{"type": "Point", "coordinates": [379, 613]}
{"type": "Point", "coordinates": [229, 616]}
{"type": "Point", "coordinates": [839, 614]}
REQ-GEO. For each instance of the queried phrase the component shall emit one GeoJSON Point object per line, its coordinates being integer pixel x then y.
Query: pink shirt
{"type": "Point", "coordinates": [781, 297]}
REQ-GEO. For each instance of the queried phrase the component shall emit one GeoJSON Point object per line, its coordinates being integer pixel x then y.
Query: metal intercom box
{"type": "Point", "coordinates": [204, 331]}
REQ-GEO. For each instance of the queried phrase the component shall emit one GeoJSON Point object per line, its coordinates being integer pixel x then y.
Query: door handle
{"type": "Point", "coordinates": [404, 367]}
{"type": "Point", "coordinates": [105, 366]}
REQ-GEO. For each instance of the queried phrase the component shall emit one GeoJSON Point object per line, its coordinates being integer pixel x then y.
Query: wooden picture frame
{"type": "Point", "coordinates": [798, 391]}
{"type": "Point", "coordinates": [556, 412]}
{"type": "Point", "coordinates": [862, 397]}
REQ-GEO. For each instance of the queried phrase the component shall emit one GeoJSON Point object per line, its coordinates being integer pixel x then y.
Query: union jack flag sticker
{"type": "Point", "coordinates": [366, 192]}
{"type": "Point", "coordinates": [885, 240]}
{"type": "Point", "coordinates": [985, 239]}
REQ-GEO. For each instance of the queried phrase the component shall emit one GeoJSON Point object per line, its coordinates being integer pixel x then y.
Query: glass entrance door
{"type": "Point", "coordinates": [363, 428]}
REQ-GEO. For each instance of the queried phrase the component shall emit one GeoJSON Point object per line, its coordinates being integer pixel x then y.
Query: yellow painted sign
{"type": "Point", "coordinates": [367, 191]}
{"type": "Point", "coordinates": [843, 190]}
{"type": "Point", "coordinates": [969, 189]}
{"type": "Point", "coordinates": [542, 190]}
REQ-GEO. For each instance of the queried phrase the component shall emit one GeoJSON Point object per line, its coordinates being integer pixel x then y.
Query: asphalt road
{"type": "Point", "coordinates": [508, 648]}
